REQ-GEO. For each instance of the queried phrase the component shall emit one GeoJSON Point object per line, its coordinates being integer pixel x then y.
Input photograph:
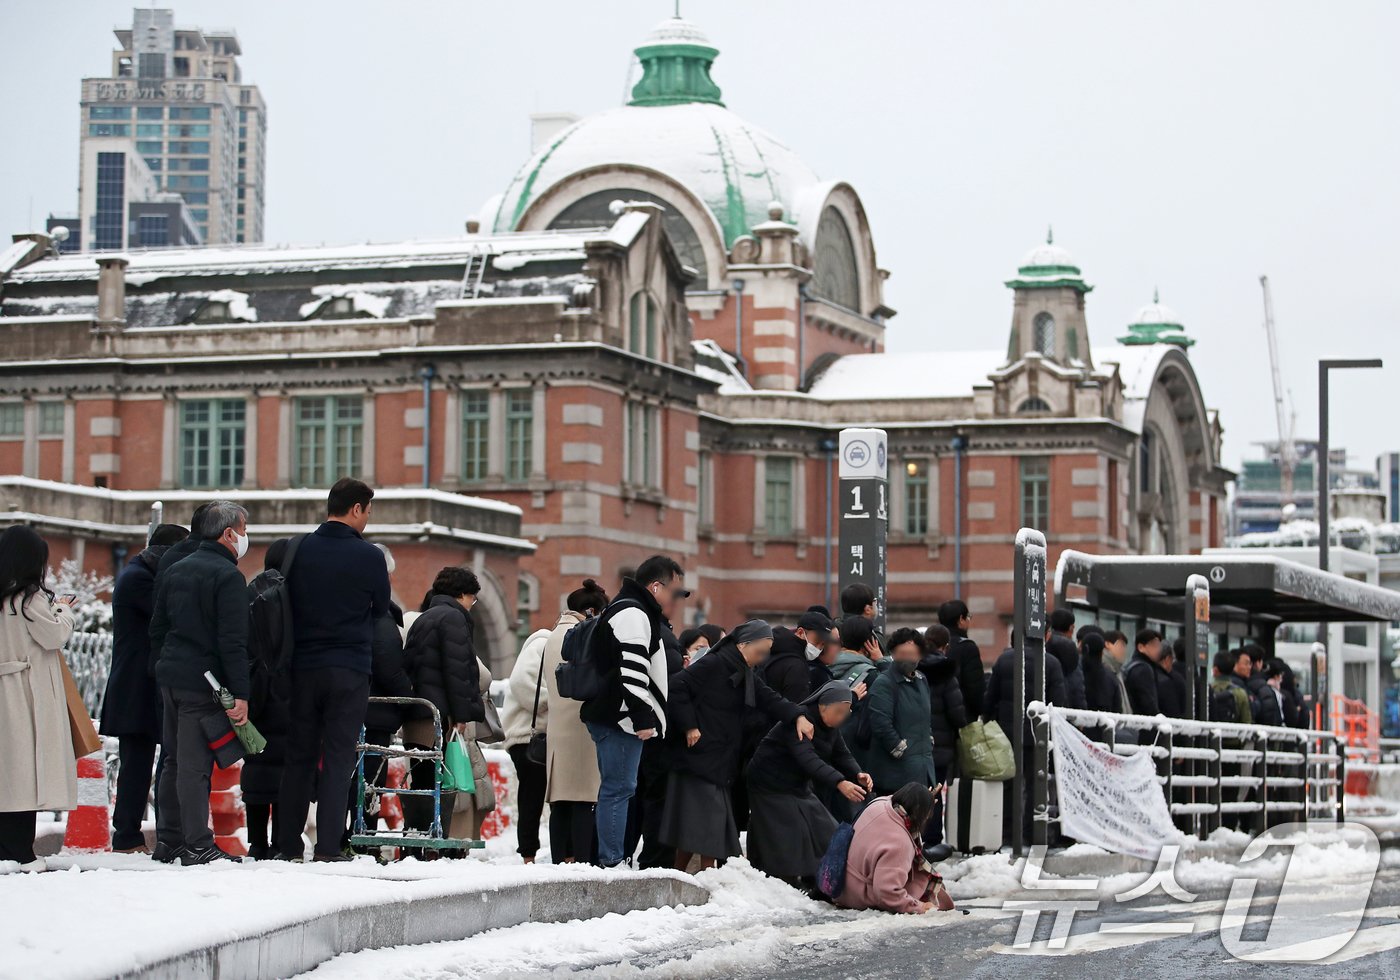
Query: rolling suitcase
{"type": "Point", "coordinates": [974, 815]}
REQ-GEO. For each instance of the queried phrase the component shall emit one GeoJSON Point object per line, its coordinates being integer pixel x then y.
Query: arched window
{"type": "Point", "coordinates": [1045, 334]}
{"type": "Point", "coordinates": [835, 274]}
{"type": "Point", "coordinates": [1033, 406]}
{"type": "Point", "coordinates": [595, 211]}
{"type": "Point", "coordinates": [642, 325]}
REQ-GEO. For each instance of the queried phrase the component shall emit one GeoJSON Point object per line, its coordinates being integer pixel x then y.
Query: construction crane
{"type": "Point", "coordinates": [1287, 451]}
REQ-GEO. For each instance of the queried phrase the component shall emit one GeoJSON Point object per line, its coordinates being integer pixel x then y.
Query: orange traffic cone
{"type": "Point", "coordinates": [226, 808]}
{"type": "Point", "coordinates": [90, 824]}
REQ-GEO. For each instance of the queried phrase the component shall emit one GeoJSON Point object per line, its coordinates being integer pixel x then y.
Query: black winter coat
{"type": "Point", "coordinates": [709, 695]}
{"type": "Point", "coordinates": [949, 714]}
{"type": "Point", "coordinates": [1141, 678]}
{"type": "Point", "coordinates": [1172, 692]}
{"type": "Point", "coordinates": [1262, 701]}
{"type": "Point", "coordinates": [177, 552]}
{"type": "Point", "coordinates": [131, 705]}
{"type": "Point", "coordinates": [1066, 651]}
{"type": "Point", "coordinates": [1000, 703]}
{"type": "Point", "coordinates": [440, 659]}
{"type": "Point", "coordinates": [785, 670]}
{"type": "Point", "coordinates": [786, 764]}
{"type": "Point", "coordinates": [972, 677]}
{"type": "Point", "coordinates": [387, 676]}
{"type": "Point", "coordinates": [1100, 686]}
{"type": "Point", "coordinates": [200, 623]}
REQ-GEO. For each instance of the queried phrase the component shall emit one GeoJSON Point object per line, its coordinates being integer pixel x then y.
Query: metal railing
{"type": "Point", "coordinates": [89, 657]}
{"type": "Point", "coordinates": [1210, 772]}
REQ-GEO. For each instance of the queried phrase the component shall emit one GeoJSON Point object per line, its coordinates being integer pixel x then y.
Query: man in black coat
{"type": "Point", "coordinates": [339, 585]}
{"type": "Point", "coordinates": [1060, 643]}
{"type": "Point", "coordinates": [1000, 706]}
{"type": "Point", "coordinates": [187, 546]}
{"type": "Point", "coordinates": [787, 669]}
{"type": "Point", "coordinates": [199, 625]}
{"type": "Point", "coordinates": [1142, 674]}
{"type": "Point", "coordinates": [131, 708]}
{"type": "Point", "coordinates": [962, 651]}
{"type": "Point", "coordinates": [1262, 700]}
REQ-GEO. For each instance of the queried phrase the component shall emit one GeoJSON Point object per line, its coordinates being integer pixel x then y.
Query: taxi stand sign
{"type": "Point", "coordinates": [864, 489]}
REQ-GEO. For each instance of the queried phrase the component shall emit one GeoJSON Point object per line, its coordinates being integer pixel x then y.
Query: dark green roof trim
{"type": "Point", "coordinates": [1060, 282]}
{"type": "Point", "coordinates": [674, 74]}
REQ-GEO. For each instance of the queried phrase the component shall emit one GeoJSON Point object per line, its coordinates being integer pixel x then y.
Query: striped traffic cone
{"type": "Point", "coordinates": [90, 825]}
{"type": "Point", "coordinates": [226, 808]}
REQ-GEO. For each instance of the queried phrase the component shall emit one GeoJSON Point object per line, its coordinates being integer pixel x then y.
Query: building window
{"type": "Point", "coordinates": [109, 129]}
{"type": "Point", "coordinates": [916, 498]}
{"type": "Point", "coordinates": [149, 130]}
{"type": "Point", "coordinates": [110, 112]}
{"type": "Point", "coordinates": [150, 65]}
{"type": "Point", "coordinates": [476, 427]}
{"type": "Point", "coordinates": [641, 325]}
{"type": "Point", "coordinates": [706, 479]}
{"type": "Point", "coordinates": [110, 219]}
{"type": "Point", "coordinates": [12, 419]}
{"type": "Point", "coordinates": [51, 419]}
{"type": "Point", "coordinates": [150, 112]}
{"type": "Point", "coordinates": [640, 439]}
{"type": "Point", "coordinates": [777, 496]}
{"type": "Point", "coordinates": [1113, 498]}
{"type": "Point", "coordinates": [1035, 492]}
{"type": "Point", "coordinates": [1044, 333]}
{"type": "Point", "coordinates": [189, 112]}
{"type": "Point", "coordinates": [153, 230]}
{"type": "Point", "coordinates": [329, 439]}
{"type": "Point", "coordinates": [520, 426]}
{"type": "Point", "coordinates": [1033, 406]}
{"type": "Point", "coordinates": [212, 434]}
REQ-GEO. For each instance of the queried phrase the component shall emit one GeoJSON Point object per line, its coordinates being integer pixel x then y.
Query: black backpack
{"type": "Point", "coordinates": [269, 629]}
{"type": "Point", "coordinates": [578, 676]}
{"type": "Point", "coordinates": [1223, 705]}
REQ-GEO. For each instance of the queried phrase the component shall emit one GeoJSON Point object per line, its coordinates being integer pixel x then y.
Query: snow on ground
{"type": "Point", "coordinates": [102, 914]}
{"type": "Point", "coordinates": [749, 919]}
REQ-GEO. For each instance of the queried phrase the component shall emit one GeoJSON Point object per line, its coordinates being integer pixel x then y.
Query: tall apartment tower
{"type": "Point", "coordinates": [178, 94]}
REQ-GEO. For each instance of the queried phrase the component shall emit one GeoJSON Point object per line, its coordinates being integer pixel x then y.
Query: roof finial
{"type": "Point", "coordinates": [1050, 235]}
{"type": "Point", "coordinates": [1155, 300]}
{"type": "Point", "coordinates": [678, 9]}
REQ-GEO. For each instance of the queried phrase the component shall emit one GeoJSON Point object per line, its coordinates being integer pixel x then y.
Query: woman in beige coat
{"type": "Point", "coordinates": [571, 769]}
{"type": "Point", "coordinates": [37, 770]}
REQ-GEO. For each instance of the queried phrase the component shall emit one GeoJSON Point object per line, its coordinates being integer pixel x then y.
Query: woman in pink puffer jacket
{"type": "Point", "coordinates": [885, 868]}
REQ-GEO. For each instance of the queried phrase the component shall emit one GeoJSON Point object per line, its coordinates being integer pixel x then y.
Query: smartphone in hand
{"type": "Point", "coordinates": [68, 598]}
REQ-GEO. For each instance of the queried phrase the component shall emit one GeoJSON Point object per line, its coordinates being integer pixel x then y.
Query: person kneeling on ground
{"type": "Point", "coordinates": [789, 828]}
{"type": "Point", "coordinates": [884, 867]}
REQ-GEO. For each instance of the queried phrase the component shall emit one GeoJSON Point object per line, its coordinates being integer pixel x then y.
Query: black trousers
{"type": "Point", "coordinates": [327, 710]}
{"type": "Point", "coordinates": [183, 793]}
{"type": "Point", "coordinates": [17, 835]}
{"type": "Point", "coordinates": [933, 830]}
{"type": "Point", "coordinates": [573, 831]}
{"type": "Point", "coordinates": [137, 754]}
{"type": "Point", "coordinates": [650, 802]}
{"type": "Point", "coordinates": [529, 801]}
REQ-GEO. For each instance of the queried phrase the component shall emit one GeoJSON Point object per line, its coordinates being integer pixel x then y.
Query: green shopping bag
{"type": "Point", "coordinates": [457, 766]}
{"type": "Point", "coordinates": [984, 752]}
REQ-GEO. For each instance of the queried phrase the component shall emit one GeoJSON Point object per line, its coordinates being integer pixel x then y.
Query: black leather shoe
{"type": "Point", "coordinates": [934, 853]}
{"type": "Point", "coordinates": [210, 855]}
{"type": "Point", "coordinates": [167, 854]}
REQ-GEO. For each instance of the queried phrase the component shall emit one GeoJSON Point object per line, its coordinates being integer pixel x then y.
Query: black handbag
{"type": "Point", "coordinates": [537, 749]}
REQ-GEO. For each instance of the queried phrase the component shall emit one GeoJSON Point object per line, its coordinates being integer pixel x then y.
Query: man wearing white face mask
{"type": "Point", "coordinates": [200, 623]}
{"type": "Point", "coordinates": [786, 670]}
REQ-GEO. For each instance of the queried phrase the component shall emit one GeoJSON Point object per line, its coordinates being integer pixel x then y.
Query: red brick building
{"type": "Point", "coordinates": [652, 347]}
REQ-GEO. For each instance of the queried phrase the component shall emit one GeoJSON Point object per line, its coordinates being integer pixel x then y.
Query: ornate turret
{"type": "Point", "coordinates": [1156, 323]}
{"type": "Point", "coordinates": [676, 58]}
{"type": "Point", "coordinates": [1048, 313]}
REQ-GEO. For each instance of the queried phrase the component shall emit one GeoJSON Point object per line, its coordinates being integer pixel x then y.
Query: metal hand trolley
{"type": "Point", "coordinates": [433, 838]}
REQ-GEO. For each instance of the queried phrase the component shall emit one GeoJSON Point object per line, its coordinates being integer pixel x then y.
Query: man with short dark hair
{"type": "Point", "coordinates": [786, 669]}
{"type": "Point", "coordinates": [1221, 685]}
{"type": "Point", "coordinates": [1140, 674]}
{"type": "Point", "coordinates": [972, 676]}
{"type": "Point", "coordinates": [858, 599]}
{"type": "Point", "coordinates": [199, 625]}
{"type": "Point", "coordinates": [630, 650]}
{"type": "Point", "coordinates": [338, 584]}
{"type": "Point", "coordinates": [1265, 706]}
{"type": "Point", "coordinates": [1060, 644]}
{"type": "Point", "coordinates": [183, 549]}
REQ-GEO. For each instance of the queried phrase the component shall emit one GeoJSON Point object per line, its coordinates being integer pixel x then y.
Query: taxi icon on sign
{"type": "Point", "coordinates": [858, 453]}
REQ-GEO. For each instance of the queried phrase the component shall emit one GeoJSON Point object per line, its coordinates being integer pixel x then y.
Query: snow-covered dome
{"type": "Point", "coordinates": [1048, 265]}
{"type": "Point", "coordinates": [1156, 323]}
{"type": "Point", "coordinates": [676, 126]}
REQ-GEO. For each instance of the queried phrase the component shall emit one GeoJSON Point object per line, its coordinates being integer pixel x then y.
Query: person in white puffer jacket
{"type": "Point", "coordinates": [521, 719]}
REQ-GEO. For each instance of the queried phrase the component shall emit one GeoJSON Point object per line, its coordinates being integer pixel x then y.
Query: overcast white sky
{"type": "Point", "coordinates": [1190, 145]}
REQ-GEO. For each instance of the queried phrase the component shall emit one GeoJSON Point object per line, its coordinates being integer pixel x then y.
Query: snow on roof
{"type": "Point", "coordinates": [917, 374]}
{"type": "Point", "coordinates": [12, 254]}
{"type": "Point", "coordinates": [714, 363]}
{"type": "Point", "coordinates": [150, 265]}
{"type": "Point", "coordinates": [733, 167]}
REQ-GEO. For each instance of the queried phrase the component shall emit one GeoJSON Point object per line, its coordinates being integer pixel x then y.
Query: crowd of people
{"type": "Point", "coordinates": [780, 731]}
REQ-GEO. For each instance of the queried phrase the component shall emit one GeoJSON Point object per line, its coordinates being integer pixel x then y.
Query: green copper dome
{"type": "Point", "coordinates": [1048, 266]}
{"type": "Point", "coordinates": [1156, 323]}
{"type": "Point", "coordinates": [676, 59]}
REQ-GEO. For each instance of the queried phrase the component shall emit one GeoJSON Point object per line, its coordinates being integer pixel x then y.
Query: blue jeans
{"type": "Point", "coordinates": [619, 755]}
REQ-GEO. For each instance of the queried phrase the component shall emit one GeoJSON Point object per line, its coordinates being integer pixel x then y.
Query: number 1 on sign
{"type": "Point", "coordinates": [855, 495]}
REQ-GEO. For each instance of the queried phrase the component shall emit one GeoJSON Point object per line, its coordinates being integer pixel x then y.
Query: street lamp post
{"type": "Point", "coordinates": [1324, 517]}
